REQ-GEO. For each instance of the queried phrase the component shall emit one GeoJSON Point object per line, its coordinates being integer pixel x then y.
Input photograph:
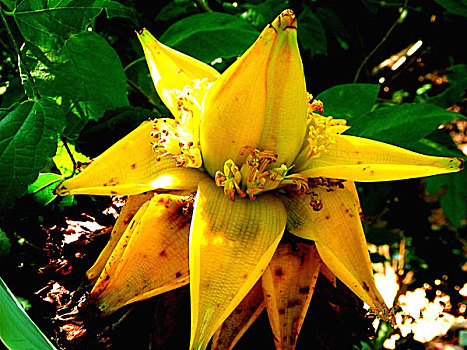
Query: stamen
{"type": "Point", "coordinates": [179, 137]}
{"type": "Point", "coordinates": [321, 131]}
{"type": "Point", "coordinates": [230, 179]}
{"type": "Point", "coordinates": [252, 178]}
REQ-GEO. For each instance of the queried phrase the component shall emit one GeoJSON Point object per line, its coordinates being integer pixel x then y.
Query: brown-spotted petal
{"type": "Point", "coordinates": [130, 166]}
{"type": "Point", "coordinates": [231, 243]}
{"type": "Point", "coordinates": [150, 258]}
{"type": "Point", "coordinates": [336, 228]}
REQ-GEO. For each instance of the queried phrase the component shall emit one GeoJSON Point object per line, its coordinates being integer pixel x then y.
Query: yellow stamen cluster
{"type": "Point", "coordinates": [320, 128]}
{"type": "Point", "coordinates": [254, 177]}
{"type": "Point", "coordinates": [230, 179]}
{"type": "Point", "coordinates": [179, 137]}
{"type": "Point", "coordinates": [321, 131]}
{"type": "Point", "coordinates": [254, 174]}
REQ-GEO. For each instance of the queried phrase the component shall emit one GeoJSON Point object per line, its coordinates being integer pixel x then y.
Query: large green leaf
{"type": "Point", "coordinates": [432, 147]}
{"type": "Point", "coordinates": [311, 33]}
{"type": "Point", "coordinates": [14, 93]}
{"type": "Point", "coordinates": [47, 23]}
{"type": "Point", "coordinates": [457, 7]}
{"type": "Point", "coordinates": [453, 201]}
{"type": "Point", "coordinates": [115, 9]}
{"type": "Point", "coordinates": [402, 125]}
{"type": "Point", "coordinates": [5, 245]}
{"type": "Point", "coordinates": [140, 79]}
{"type": "Point", "coordinates": [42, 190]}
{"type": "Point", "coordinates": [17, 330]}
{"type": "Point", "coordinates": [349, 101]}
{"type": "Point", "coordinates": [28, 137]}
{"type": "Point", "coordinates": [98, 136]}
{"type": "Point", "coordinates": [85, 76]}
{"type": "Point", "coordinates": [176, 9]}
{"type": "Point", "coordinates": [210, 35]}
{"type": "Point", "coordinates": [457, 77]}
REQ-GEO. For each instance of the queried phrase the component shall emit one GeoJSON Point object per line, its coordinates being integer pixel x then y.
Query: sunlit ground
{"type": "Point", "coordinates": [425, 319]}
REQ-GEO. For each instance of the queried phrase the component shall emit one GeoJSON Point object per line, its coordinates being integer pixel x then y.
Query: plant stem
{"type": "Point", "coordinates": [204, 5]}
{"type": "Point", "coordinates": [139, 90]}
{"type": "Point", "coordinates": [380, 43]}
{"type": "Point", "coordinates": [65, 144]}
{"type": "Point", "coordinates": [20, 55]}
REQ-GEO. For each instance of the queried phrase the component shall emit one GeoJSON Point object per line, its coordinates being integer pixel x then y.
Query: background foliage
{"type": "Point", "coordinates": [74, 81]}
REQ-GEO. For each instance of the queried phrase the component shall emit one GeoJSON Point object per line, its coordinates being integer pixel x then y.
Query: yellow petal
{"type": "Point", "coordinates": [172, 70]}
{"type": "Point", "coordinates": [130, 208]}
{"type": "Point", "coordinates": [231, 244]}
{"type": "Point", "coordinates": [288, 285]}
{"type": "Point", "coordinates": [239, 320]}
{"type": "Point", "coordinates": [259, 101]}
{"type": "Point", "coordinates": [338, 234]}
{"type": "Point", "coordinates": [151, 257]}
{"type": "Point", "coordinates": [359, 159]}
{"type": "Point", "coordinates": [130, 167]}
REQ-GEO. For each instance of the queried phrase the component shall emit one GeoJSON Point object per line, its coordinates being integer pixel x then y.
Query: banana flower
{"type": "Point", "coordinates": [213, 189]}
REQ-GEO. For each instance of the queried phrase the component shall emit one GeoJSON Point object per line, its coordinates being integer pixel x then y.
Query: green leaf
{"type": "Point", "coordinates": [311, 33]}
{"type": "Point", "coordinates": [17, 330]}
{"type": "Point", "coordinates": [14, 93]}
{"type": "Point", "coordinates": [431, 147]}
{"type": "Point", "coordinates": [210, 35]}
{"type": "Point", "coordinates": [115, 9]}
{"type": "Point", "coordinates": [138, 74]}
{"type": "Point", "coordinates": [457, 77]}
{"type": "Point", "coordinates": [264, 13]}
{"type": "Point", "coordinates": [67, 201]}
{"type": "Point", "coordinates": [48, 23]}
{"type": "Point", "coordinates": [42, 189]}
{"type": "Point", "coordinates": [333, 26]}
{"type": "Point", "coordinates": [63, 161]}
{"type": "Point", "coordinates": [5, 245]}
{"type": "Point", "coordinates": [381, 236]}
{"type": "Point", "coordinates": [456, 7]}
{"type": "Point", "coordinates": [98, 136]}
{"type": "Point", "coordinates": [175, 9]}
{"type": "Point", "coordinates": [331, 22]}
{"type": "Point", "coordinates": [28, 137]}
{"type": "Point", "coordinates": [402, 125]}
{"type": "Point", "coordinates": [453, 201]}
{"type": "Point", "coordinates": [85, 77]}
{"type": "Point", "coordinates": [349, 101]}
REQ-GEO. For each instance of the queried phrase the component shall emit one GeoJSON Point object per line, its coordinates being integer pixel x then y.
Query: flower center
{"type": "Point", "coordinates": [253, 178]}
{"type": "Point", "coordinates": [256, 175]}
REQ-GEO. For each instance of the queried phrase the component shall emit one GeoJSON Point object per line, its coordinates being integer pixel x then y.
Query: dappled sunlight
{"type": "Point", "coordinates": [426, 319]}
{"type": "Point", "coordinates": [416, 314]}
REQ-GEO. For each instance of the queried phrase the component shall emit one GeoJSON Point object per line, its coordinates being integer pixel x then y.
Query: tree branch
{"type": "Point", "coordinates": [380, 43]}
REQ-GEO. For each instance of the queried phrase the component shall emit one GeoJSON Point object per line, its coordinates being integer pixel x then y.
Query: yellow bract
{"type": "Point", "coordinates": [255, 132]}
{"type": "Point", "coordinates": [288, 286]}
{"type": "Point", "coordinates": [258, 102]}
{"type": "Point", "coordinates": [231, 244]}
{"type": "Point", "coordinates": [358, 159]}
